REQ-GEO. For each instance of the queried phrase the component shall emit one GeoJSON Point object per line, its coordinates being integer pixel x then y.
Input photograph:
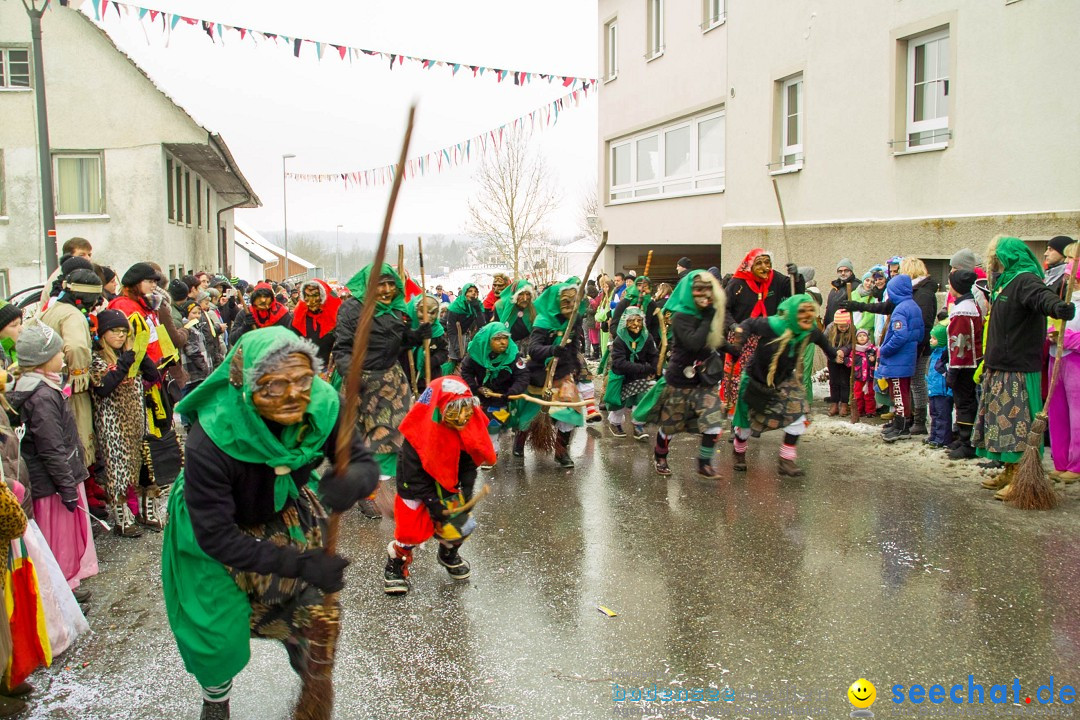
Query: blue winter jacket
{"type": "Point", "coordinates": [897, 354]}
{"type": "Point", "coordinates": [935, 381]}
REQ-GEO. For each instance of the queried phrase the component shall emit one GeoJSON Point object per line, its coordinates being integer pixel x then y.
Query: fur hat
{"type": "Point", "coordinates": [109, 320]}
{"type": "Point", "coordinates": [37, 344]}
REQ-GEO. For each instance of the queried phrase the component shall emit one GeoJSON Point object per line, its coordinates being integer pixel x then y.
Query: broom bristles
{"type": "Point", "coordinates": [542, 434]}
{"type": "Point", "coordinates": [316, 699]}
{"type": "Point", "coordinates": [384, 498]}
{"type": "Point", "coordinates": [1032, 489]}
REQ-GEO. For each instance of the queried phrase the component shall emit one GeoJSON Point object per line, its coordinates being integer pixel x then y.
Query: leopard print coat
{"type": "Point", "coordinates": [119, 425]}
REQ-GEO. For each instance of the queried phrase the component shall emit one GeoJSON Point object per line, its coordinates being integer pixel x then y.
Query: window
{"type": "Point", "coordinates": [928, 89]}
{"type": "Point", "coordinates": [791, 122]}
{"type": "Point", "coordinates": [178, 184]}
{"type": "Point", "coordinates": [169, 189]}
{"type": "Point", "coordinates": [14, 68]}
{"type": "Point", "coordinates": [198, 202]}
{"type": "Point", "coordinates": [79, 186]}
{"type": "Point", "coordinates": [5, 283]}
{"type": "Point", "coordinates": [714, 13]}
{"type": "Point", "coordinates": [611, 52]}
{"type": "Point", "coordinates": [208, 224]}
{"type": "Point", "coordinates": [187, 198]}
{"type": "Point", "coordinates": [655, 31]}
{"type": "Point", "coordinates": [682, 158]}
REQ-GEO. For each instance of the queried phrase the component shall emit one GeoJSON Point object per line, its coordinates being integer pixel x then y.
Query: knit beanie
{"type": "Point", "coordinates": [109, 274]}
{"type": "Point", "coordinates": [203, 295]}
{"type": "Point", "coordinates": [1060, 242]}
{"type": "Point", "coordinates": [178, 290]}
{"type": "Point", "coordinates": [845, 262]}
{"type": "Point", "coordinates": [964, 260]}
{"type": "Point", "coordinates": [75, 263]}
{"type": "Point", "coordinates": [842, 317]}
{"type": "Point", "coordinates": [137, 273]}
{"type": "Point", "coordinates": [37, 344]}
{"type": "Point", "coordinates": [8, 313]}
{"type": "Point", "coordinates": [941, 334]}
{"type": "Point", "coordinates": [962, 281]}
{"type": "Point", "coordinates": [109, 320]}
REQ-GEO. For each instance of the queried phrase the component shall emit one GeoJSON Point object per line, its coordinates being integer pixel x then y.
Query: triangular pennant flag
{"type": "Point", "coordinates": [208, 28]}
{"type": "Point", "coordinates": [296, 47]}
{"type": "Point", "coordinates": [341, 50]}
{"type": "Point", "coordinates": [456, 66]}
{"type": "Point", "coordinates": [243, 32]}
{"type": "Point", "coordinates": [318, 50]}
{"type": "Point", "coordinates": [142, 12]}
{"type": "Point", "coordinates": [567, 81]}
{"type": "Point", "coordinates": [392, 58]}
{"type": "Point", "coordinates": [175, 21]}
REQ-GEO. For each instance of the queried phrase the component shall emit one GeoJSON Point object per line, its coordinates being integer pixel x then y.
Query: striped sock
{"type": "Point", "coordinates": [787, 452]}
{"type": "Point", "coordinates": [217, 693]}
{"type": "Point", "coordinates": [740, 444]}
{"type": "Point", "coordinates": [708, 446]}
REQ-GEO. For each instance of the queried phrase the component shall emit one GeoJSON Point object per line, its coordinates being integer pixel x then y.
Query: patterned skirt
{"type": "Point", "coordinates": [786, 407]}
{"type": "Point", "coordinates": [1010, 401]}
{"type": "Point", "coordinates": [385, 399]}
{"type": "Point", "coordinates": [682, 409]}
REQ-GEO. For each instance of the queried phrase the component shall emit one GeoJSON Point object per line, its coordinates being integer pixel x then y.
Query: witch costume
{"type": "Point", "coordinates": [686, 399]}
{"type": "Point", "coordinates": [243, 550]}
{"type": "Point", "coordinates": [518, 319]}
{"type": "Point", "coordinates": [501, 374]}
{"type": "Point", "coordinates": [438, 350]}
{"type": "Point", "coordinates": [633, 364]}
{"type": "Point", "coordinates": [464, 317]}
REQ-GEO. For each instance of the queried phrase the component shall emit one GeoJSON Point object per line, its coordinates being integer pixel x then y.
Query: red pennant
{"type": "Point", "coordinates": [567, 81]}
{"type": "Point", "coordinates": [341, 50]}
{"type": "Point", "coordinates": [243, 32]}
{"type": "Point", "coordinates": [153, 15]}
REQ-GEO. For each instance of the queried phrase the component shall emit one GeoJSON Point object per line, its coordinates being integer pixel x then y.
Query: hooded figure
{"type": "Point", "coordinates": [438, 349]}
{"type": "Point", "coordinates": [898, 354]}
{"type": "Point", "coordinates": [243, 551]}
{"type": "Point", "coordinates": [446, 439]}
{"type": "Point", "coordinates": [499, 282]}
{"type": "Point", "coordinates": [633, 365]}
{"type": "Point", "coordinates": [494, 370]}
{"type": "Point", "coordinates": [466, 315]}
{"type": "Point", "coordinates": [315, 316]}
{"type": "Point", "coordinates": [516, 310]}
{"type": "Point", "coordinates": [264, 310]}
{"type": "Point", "coordinates": [639, 295]}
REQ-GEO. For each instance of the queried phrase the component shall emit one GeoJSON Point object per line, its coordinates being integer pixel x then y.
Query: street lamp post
{"type": "Point", "coordinates": [285, 211]}
{"type": "Point", "coordinates": [337, 253]}
{"type": "Point", "coordinates": [48, 208]}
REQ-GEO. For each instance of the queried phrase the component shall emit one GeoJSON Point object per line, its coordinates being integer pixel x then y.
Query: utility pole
{"type": "Point", "coordinates": [337, 253]}
{"type": "Point", "coordinates": [48, 208]}
{"type": "Point", "coordinates": [285, 211]}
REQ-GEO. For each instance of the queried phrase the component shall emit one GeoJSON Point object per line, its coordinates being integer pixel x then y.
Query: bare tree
{"type": "Point", "coordinates": [589, 208]}
{"type": "Point", "coordinates": [516, 197]}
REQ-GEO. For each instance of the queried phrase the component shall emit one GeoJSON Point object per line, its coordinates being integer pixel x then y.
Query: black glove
{"type": "Point", "coordinates": [425, 331]}
{"type": "Point", "coordinates": [125, 361]}
{"type": "Point", "coordinates": [708, 312]}
{"type": "Point", "coordinates": [792, 269]}
{"type": "Point", "coordinates": [851, 305]}
{"type": "Point", "coordinates": [70, 504]}
{"type": "Point", "coordinates": [435, 508]}
{"type": "Point", "coordinates": [566, 353]}
{"type": "Point", "coordinates": [341, 492]}
{"type": "Point", "coordinates": [1064, 311]}
{"type": "Point", "coordinates": [604, 326]}
{"type": "Point", "coordinates": [943, 315]}
{"type": "Point", "coordinates": [326, 572]}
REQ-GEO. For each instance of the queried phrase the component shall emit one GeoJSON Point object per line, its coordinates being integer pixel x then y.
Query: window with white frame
{"type": "Point", "coordinates": [791, 122]}
{"type": "Point", "coordinates": [14, 68]}
{"type": "Point", "coordinates": [681, 158]}
{"type": "Point", "coordinates": [654, 28]}
{"type": "Point", "coordinates": [80, 186]}
{"type": "Point", "coordinates": [928, 89]}
{"type": "Point", "coordinates": [611, 50]}
{"type": "Point", "coordinates": [3, 197]}
{"type": "Point", "coordinates": [714, 12]}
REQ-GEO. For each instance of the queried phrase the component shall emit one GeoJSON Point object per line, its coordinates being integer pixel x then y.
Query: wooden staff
{"type": "Point", "coordinates": [783, 221]}
{"type": "Point", "coordinates": [460, 344]}
{"type": "Point", "coordinates": [423, 285]}
{"type": "Point", "coordinates": [648, 264]}
{"type": "Point", "coordinates": [401, 274]}
{"type": "Point", "coordinates": [547, 403]}
{"type": "Point", "coordinates": [853, 407]}
{"type": "Point", "coordinates": [663, 341]}
{"type": "Point", "coordinates": [317, 695]}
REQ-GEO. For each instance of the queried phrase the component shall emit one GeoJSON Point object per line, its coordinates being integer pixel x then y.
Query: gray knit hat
{"type": "Point", "coordinates": [845, 262]}
{"type": "Point", "coordinates": [37, 344]}
{"type": "Point", "coordinates": [964, 260]}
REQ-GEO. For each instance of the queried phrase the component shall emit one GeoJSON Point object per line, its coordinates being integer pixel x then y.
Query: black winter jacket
{"type": "Point", "coordinates": [512, 382]}
{"type": "Point", "coordinates": [840, 291]}
{"type": "Point", "coordinates": [51, 446]}
{"type": "Point", "coordinates": [469, 325]}
{"type": "Point", "coordinates": [643, 367]}
{"type": "Point", "coordinates": [245, 322]}
{"type": "Point", "coordinates": [390, 334]}
{"type": "Point", "coordinates": [741, 299]}
{"type": "Point", "coordinates": [689, 345]}
{"type": "Point", "coordinates": [766, 350]}
{"type": "Point", "coordinates": [224, 494]}
{"type": "Point", "coordinates": [652, 322]}
{"type": "Point", "coordinates": [1014, 340]}
{"type": "Point", "coordinates": [543, 344]}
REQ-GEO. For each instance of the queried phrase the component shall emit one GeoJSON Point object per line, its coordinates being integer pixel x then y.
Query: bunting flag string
{"type": "Point", "coordinates": [453, 155]}
{"type": "Point", "coordinates": [216, 32]}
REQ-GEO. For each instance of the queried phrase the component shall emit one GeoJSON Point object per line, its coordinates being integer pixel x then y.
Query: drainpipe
{"type": "Point", "coordinates": [48, 209]}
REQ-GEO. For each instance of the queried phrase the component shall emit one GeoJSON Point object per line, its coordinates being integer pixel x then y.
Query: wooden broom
{"type": "Point", "coordinates": [426, 318]}
{"type": "Point", "coordinates": [316, 701]}
{"type": "Point", "coordinates": [1032, 489]}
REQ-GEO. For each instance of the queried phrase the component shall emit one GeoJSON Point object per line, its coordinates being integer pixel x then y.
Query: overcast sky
{"type": "Point", "coordinates": [335, 116]}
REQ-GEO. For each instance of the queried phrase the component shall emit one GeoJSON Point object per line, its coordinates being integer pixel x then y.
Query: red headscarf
{"type": "Point", "coordinates": [267, 318]}
{"type": "Point", "coordinates": [440, 446]}
{"type": "Point", "coordinates": [760, 287]}
{"type": "Point", "coordinates": [326, 319]}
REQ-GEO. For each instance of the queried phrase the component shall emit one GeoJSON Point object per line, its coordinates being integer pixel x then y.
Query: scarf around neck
{"type": "Point", "coordinates": [757, 286]}
{"type": "Point", "coordinates": [480, 350]}
{"type": "Point", "coordinates": [358, 287]}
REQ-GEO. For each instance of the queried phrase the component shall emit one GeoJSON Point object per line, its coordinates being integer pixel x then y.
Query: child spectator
{"type": "Point", "coordinates": [194, 355]}
{"type": "Point", "coordinates": [53, 454]}
{"type": "Point", "coordinates": [898, 354]}
{"type": "Point", "coordinates": [965, 354]}
{"type": "Point", "coordinates": [841, 335]}
{"type": "Point", "coordinates": [864, 359]}
{"type": "Point", "coordinates": [118, 410]}
{"type": "Point", "coordinates": [941, 401]}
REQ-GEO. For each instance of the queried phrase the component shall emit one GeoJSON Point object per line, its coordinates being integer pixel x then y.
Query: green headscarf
{"type": "Point", "coordinates": [633, 293]}
{"type": "Point", "coordinates": [787, 318]}
{"type": "Point", "coordinates": [506, 308]}
{"type": "Point", "coordinates": [413, 311]}
{"type": "Point", "coordinates": [1015, 258]}
{"type": "Point", "coordinates": [682, 297]}
{"type": "Point", "coordinates": [635, 345]}
{"type": "Point", "coordinates": [480, 350]}
{"type": "Point", "coordinates": [229, 418]}
{"type": "Point", "coordinates": [358, 286]}
{"type": "Point", "coordinates": [461, 305]}
{"type": "Point", "coordinates": [547, 305]}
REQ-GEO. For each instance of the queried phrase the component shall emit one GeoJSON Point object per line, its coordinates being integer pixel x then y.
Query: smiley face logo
{"type": "Point", "coordinates": [862, 693]}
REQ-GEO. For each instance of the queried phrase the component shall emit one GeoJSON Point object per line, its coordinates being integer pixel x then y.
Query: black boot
{"type": "Point", "coordinates": [660, 461]}
{"type": "Point", "coordinates": [918, 422]}
{"type": "Point", "coordinates": [705, 468]}
{"type": "Point", "coordinates": [519, 443]}
{"type": "Point", "coordinates": [964, 450]}
{"type": "Point", "coordinates": [215, 710]}
{"type": "Point", "coordinates": [455, 565]}
{"type": "Point", "coordinates": [901, 430]}
{"type": "Point", "coordinates": [396, 572]}
{"type": "Point", "coordinates": [562, 449]}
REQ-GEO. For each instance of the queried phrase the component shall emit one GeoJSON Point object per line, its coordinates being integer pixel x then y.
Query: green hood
{"type": "Point", "coordinates": [358, 287]}
{"type": "Point", "coordinates": [480, 350]}
{"type": "Point", "coordinates": [228, 415]}
{"type": "Point", "coordinates": [633, 293]}
{"type": "Point", "coordinates": [1015, 258]}
{"type": "Point", "coordinates": [412, 310]}
{"type": "Point", "coordinates": [547, 306]}
{"type": "Point", "coordinates": [461, 305]}
{"type": "Point", "coordinates": [635, 344]}
{"type": "Point", "coordinates": [505, 308]}
{"type": "Point", "coordinates": [787, 319]}
{"type": "Point", "coordinates": [682, 297]}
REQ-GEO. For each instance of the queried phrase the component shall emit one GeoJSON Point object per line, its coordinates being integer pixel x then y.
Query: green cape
{"type": "Point", "coordinates": [358, 287]}
{"type": "Point", "coordinates": [547, 306]}
{"type": "Point", "coordinates": [506, 308]}
{"type": "Point", "coordinates": [437, 329]}
{"type": "Point", "coordinates": [1015, 257]}
{"type": "Point", "coordinates": [633, 293]}
{"type": "Point", "coordinates": [787, 318]}
{"type": "Point", "coordinates": [461, 305]}
{"type": "Point", "coordinates": [625, 336]}
{"type": "Point", "coordinates": [480, 350]}
{"type": "Point", "coordinates": [682, 297]}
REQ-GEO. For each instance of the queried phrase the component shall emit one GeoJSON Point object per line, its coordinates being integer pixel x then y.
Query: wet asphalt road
{"type": "Point", "coordinates": [774, 594]}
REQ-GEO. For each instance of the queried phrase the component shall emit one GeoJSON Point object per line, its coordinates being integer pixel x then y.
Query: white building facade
{"type": "Point", "coordinates": [133, 173]}
{"type": "Point", "coordinates": [912, 128]}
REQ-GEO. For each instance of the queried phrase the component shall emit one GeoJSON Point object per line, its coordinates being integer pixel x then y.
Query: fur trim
{"type": "Point", "coordinates": [272, 359]}
{"type": "Point", "coordinates": [716, 332]}
{"type": "Point", "coordinates": [528, 288]}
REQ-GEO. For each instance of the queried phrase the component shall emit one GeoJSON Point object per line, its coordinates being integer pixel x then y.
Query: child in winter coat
{"type": "Point", "coordinates": [864, 358]}
{"type": "Point", "coordinates": [195, 357]}
{"type": "Point", "coordinates": [53, 453]}
{"type": "Point", "coordinates": [898, 353]}
{"type": "Point", "coordinates": [119, 419]}
{"type": "Point", "coordinates": [941, 400]}
{"type": "Point", "coordinates": [841, 335]}
{"type": "Point", "coordinates": [965, 355]}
